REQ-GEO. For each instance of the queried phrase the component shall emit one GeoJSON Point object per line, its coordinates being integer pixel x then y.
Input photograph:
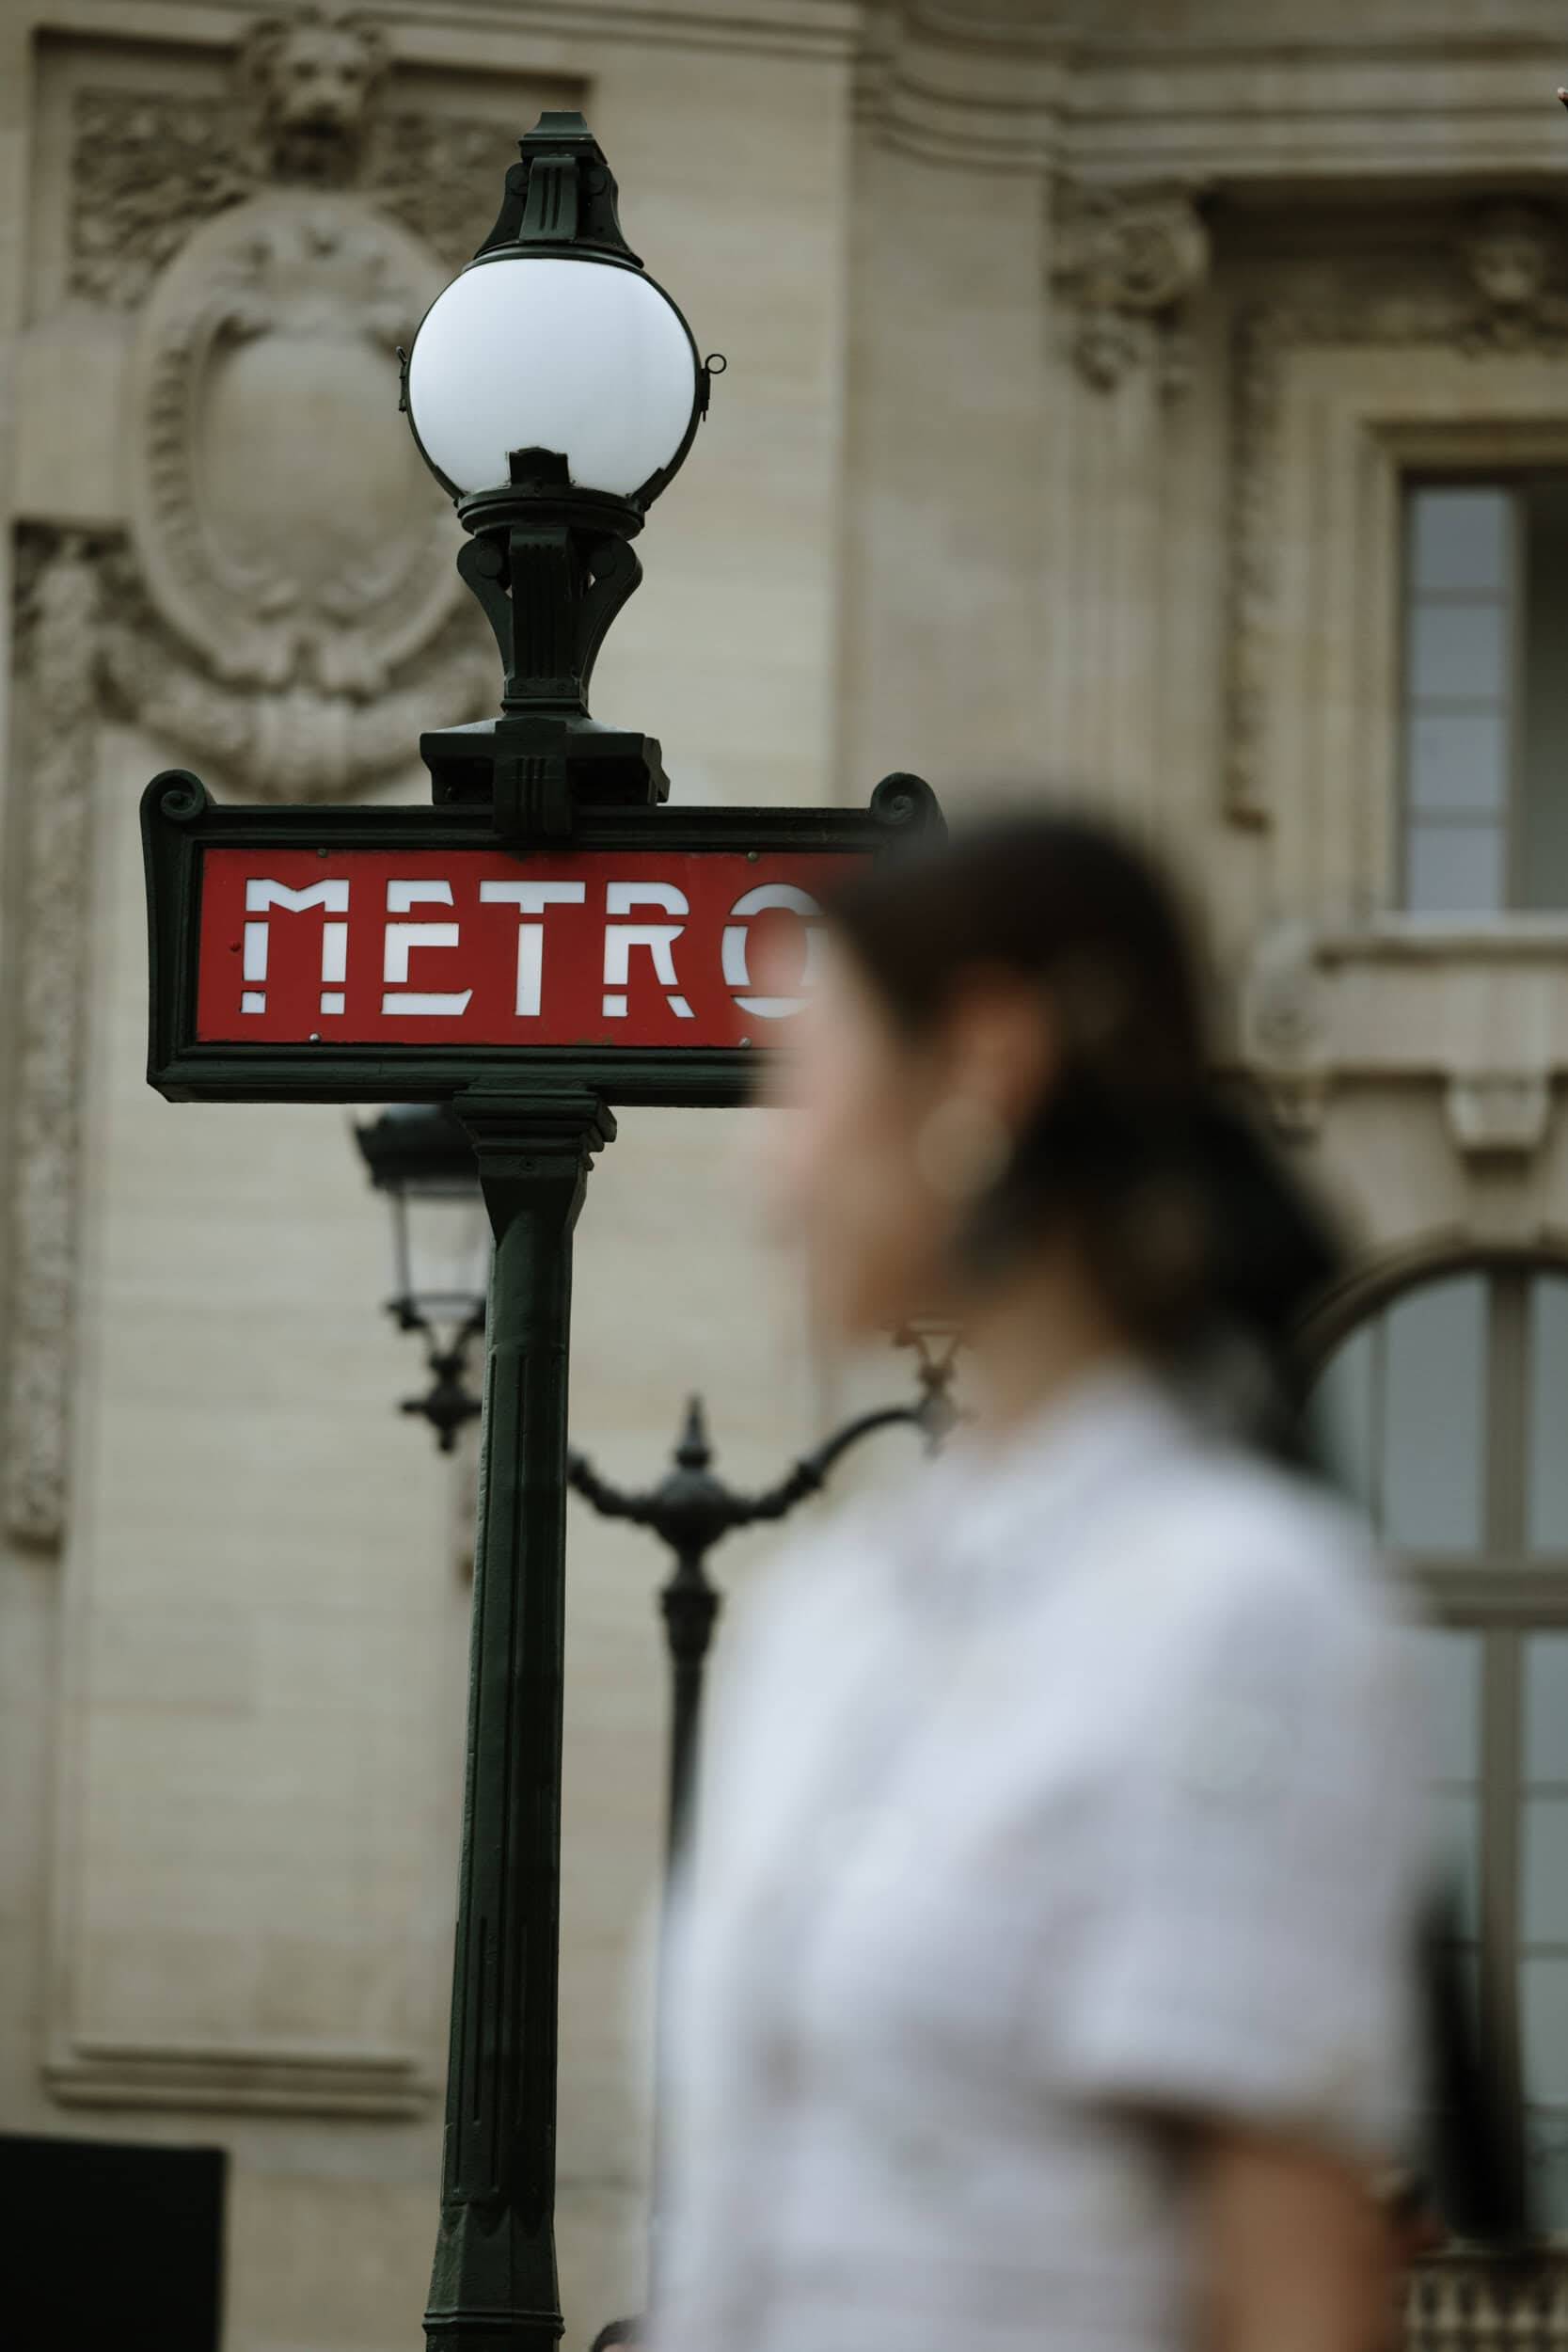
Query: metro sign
{"type": "Point", "coordinates": [366, 954]}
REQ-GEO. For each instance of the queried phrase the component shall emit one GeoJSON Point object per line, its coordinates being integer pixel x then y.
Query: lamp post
{"type": "Point", "coordinates": [553, 390]}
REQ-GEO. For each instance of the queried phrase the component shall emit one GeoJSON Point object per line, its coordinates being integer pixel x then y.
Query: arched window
{"type": "Point", "coordinates": [1445, 1412]}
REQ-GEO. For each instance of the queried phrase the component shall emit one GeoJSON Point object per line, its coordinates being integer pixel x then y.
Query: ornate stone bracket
{"type": "Point", "coordinates": [1478, 1014]}
{"type": "Point", "coordinates": [1498, 1114]}
{"type": "Point", "coordinates": [1284, 1037]}
{"type": "Point", "coordinates": [1500, 291]}
{"type": "Point", "coordinates": [1129, 260]}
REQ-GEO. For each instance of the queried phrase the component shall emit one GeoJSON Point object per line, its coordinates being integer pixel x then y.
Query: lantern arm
{"type": "Point", "coordinates": [812, 1471]}
{"type": "Point", "coordinates": [610, 1502]}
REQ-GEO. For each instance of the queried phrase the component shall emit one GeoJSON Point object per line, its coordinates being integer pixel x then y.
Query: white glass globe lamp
{"type": "Point", "coordinates": [554, 339]}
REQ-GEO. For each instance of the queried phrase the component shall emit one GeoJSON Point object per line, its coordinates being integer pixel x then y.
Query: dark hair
{"type": "Point", "coordinates": [1192, 1227]}
{"type": "Point", "coordinates": [617, 2331]}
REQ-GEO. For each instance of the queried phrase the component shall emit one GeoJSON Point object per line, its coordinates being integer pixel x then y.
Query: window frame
{"type": "Point", "coordinates": [1495, 1591]}
{"type": "Point", "coordinates": [1517, 480]}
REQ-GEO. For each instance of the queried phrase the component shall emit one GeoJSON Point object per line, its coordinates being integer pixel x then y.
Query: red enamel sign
{"type": "Point", "coordinates": [468, 946]}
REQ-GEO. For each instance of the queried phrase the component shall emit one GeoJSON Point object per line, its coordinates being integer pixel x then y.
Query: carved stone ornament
{"type": "Point", "coordinates": [293, 553]}
{"type": "Point", "coordinates": [59, 609]}
{"type": "Point", "coordinates": [1129, 260]}
{"type": "Point", "coordinates": [1515, 257]}
{"type": "Point", "coordinates": [1498, 289]}
{"type": "Point", "coordinates": [1495, 1114]}
{"type": "Point", "coordinates": [1284, 1038]}
{"type": "Point", "coordinates": [306, 108]}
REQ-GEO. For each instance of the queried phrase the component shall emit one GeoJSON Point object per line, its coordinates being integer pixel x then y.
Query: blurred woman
{"type": "Point", "coordinates": [1045, 1977]}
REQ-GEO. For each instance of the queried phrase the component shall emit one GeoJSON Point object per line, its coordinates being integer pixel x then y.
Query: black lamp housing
{"type": "Point", "coordinates": [549, 560]}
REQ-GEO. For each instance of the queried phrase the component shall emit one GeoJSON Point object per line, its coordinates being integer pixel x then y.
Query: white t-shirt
{"type": "Point", "coordinates": [1058, 1791]}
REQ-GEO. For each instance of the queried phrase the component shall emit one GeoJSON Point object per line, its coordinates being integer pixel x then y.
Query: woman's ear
{"type": "Point", "coordinates": [1001, 1047]}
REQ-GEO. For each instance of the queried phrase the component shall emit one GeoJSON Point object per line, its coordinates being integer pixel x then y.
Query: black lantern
{"type": "Point", "coordinates": [553, 389]}
{"type": "Point", "coordinates": [420, 1156]}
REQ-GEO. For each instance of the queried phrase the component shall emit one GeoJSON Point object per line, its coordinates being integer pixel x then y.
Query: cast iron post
{"type": "Point", "coordinates": [494, 2287]}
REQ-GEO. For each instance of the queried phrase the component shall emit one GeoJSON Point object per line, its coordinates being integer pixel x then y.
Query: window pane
{"type": "Point", "coordinates": [1546, 2141]}
{"type": "Point", "coordinates": [1456, 1844]}
{"type": "Point", "coordinates": [1548, 1523]}
{"type": "Point", "coordinates": [1545, 1885]}
{"type": "Point", "coordinates": [1458, 652]}
{"type": "Point", "coordinates": [1433, 1417]}
{"type": "Point", "coordinates": [1459, 538]}
{"type": "Point", "coordinates": [1543, 2006]}
{"type": "Point", "coordinates": [1341, 1416]}
{"type": "Point", "coordinates": [1456, 868]}
{"type": "Point", "coordinates": [1458, 762]}
{"type": "Point", "coordinates": [1546, 1743]}
{"type": "Point", "coordinates": [1450, 1665]}
{"type": "Point", "coordinates": [1541, 865]}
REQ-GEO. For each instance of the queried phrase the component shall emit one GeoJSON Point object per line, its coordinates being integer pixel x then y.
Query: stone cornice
{"type": "Point", "coordinates": [995, 84]}
{"type": "Point", "coordinates": [1270, 112]}
{"type": "Point", "coordinates": [1005, 85]}
{"type": "Point", "coordinates": [549, 35]}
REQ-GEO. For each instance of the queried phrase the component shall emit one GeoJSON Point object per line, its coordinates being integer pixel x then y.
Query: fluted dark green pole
{"type": "Point", "coordinates": [493, 2285]}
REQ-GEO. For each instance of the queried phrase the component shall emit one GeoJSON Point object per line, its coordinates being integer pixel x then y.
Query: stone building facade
{"type": "Point", "coordinates": [1167, 399]}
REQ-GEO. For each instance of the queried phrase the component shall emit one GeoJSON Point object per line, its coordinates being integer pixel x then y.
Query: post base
{"type": "Point", "coordinates": [479, 2332]}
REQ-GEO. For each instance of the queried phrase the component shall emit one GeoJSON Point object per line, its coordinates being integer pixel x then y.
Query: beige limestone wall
{"type": "Point", "coordinates": [946, 643]}
{"type": "Point", "coordinates": [233, 1697]}
{"type": "Point", "coordinates": [967, 501]}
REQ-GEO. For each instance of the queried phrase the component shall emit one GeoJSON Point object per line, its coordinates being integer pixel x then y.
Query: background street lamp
{"type": "Point", "coordinates": [420, 1157]}
{"type": "Point", "coordinates": [693, 1509]}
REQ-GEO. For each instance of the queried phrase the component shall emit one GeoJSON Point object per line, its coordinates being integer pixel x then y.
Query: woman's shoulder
{"type": "Point", "coordinates": [1246, 1562]}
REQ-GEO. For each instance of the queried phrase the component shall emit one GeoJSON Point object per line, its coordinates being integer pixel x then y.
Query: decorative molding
{"type": "Point", "coordinates": [1478, 1014]}
{"type": "Point", "coordinates": [1513, 257]}
{"type": "Point", "coordinates": [1129, 260]}
{"type": "Point", "coordinates": [233, 2079]}
{"type": "Point", "coordinates": [298, 744]}
{"type": "Point", "coordinates": [148, 171]}
{"type": "Point", "coordinates": [60, 625]}
{"type": "Point", "coordinates": [144, 172]}
{"type": "Point", "coordinates": [1283, 1032]}
{"type": "Point", "coordinates": [441, 174]}
{"type": "Point", "coordinates": [464, 33]}
{"type": "Point", "coordinates": [978, 90]}
{"type": "Point", "coordinates": [306, 108]}
{"type": "Point", "coordinates": [1499, 290]}
{"type": "Point", "coordinates": [1498, 1114]}
{"type": "Point", "coordinates": [286, 623]}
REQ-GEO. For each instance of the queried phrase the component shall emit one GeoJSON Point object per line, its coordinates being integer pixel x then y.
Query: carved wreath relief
{"type": "Point", "coordinates": [293, 616]}
{"type": "Point", "coordinates": [289, 541]}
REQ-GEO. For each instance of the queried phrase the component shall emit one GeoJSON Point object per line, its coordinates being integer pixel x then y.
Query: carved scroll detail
{"type": "Point", "coordinates": [1129, 260]}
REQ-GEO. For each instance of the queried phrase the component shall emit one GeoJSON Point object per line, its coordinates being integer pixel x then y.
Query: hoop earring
{"type": "Point", "coordinates": [962, 1149]}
